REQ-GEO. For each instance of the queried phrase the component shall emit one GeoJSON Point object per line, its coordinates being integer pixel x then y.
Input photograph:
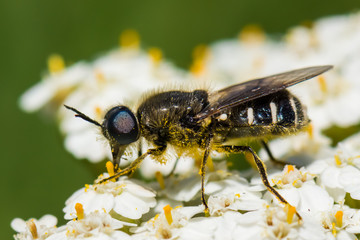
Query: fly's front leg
{"type": "Point", "coordinates": [136, 163]}
{"type": "Point", "coordinates": [261, 167]}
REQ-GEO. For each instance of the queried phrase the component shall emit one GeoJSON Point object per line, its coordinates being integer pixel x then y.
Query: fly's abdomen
{"type": "Point", "coordinates": [276, 114]}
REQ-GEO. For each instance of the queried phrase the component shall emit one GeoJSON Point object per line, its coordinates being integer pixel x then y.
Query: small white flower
{"type": "Point", "coordinates": [300, 190]}
{"type": "Point", "coordinates": [166, 225]}
{"type": "Point", "coordinates": [95, 225]}
{"type": "Point", "coordinates": [124, 197]}
{"type": "Point", "coordinates": [340, 174]}
{"type": "Point", "coordinates": [33, 228]}
{"type": "Point", "coordinates": [340, 222]}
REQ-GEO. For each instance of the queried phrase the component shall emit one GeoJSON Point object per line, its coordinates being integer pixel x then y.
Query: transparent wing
{"type": "Point", "coordinates": [250, 90]}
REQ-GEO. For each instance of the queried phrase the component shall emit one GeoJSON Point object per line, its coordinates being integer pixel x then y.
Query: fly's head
{"type": "Point", "coordinates": [120, 127]}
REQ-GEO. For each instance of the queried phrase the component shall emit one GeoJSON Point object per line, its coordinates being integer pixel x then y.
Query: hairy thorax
{"type": "Point", "coordinates": [166, 118]}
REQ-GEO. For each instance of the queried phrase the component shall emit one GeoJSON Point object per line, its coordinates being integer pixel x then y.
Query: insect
{"type": "Point", "coordinates": [199, 121]}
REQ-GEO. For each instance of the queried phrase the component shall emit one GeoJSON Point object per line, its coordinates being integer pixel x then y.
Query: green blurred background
{"type": "Point", "coordinates": [37, 174]}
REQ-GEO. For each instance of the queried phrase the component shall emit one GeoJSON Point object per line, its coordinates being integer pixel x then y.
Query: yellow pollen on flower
{"type": "Point", "coordinates": [200, 54]}
{"type": "Point", "coordinates": [289, 168]}
{"type": "Point", "coordinates": [291, 210]}
{"type": "Point", "coordinates": [334, 229]}
{"type": "Point", "coordinates": [129, 39]}
{"type": "Point", "coordinates": [237, 195]}
{"type": "Point", "coordinates": [55, 63]}
{"type": "Point", "coordinates": [167, 212]}
{"type": "Point", "coordinates": [252, 33]}
{"type": "Point", "coordinates": [159, 177]}
{"type": "Point", "coordinates": [32, 227]}
{"type": "Point", "coordinates": [322, 83]}
{"type": "Point", "coordinates": [337, 160]}
{"type": "Point", "coordinates": [210, 164]}
{"type": "Point", "coordinates": [79, 211]}
{"type": "Point", "coordinates": [155, 54]}
{"type": "Point", "coordinates": [339, 218]}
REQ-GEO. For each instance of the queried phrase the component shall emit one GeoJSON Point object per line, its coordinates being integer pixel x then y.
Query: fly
{"type": "Point", "coordinates": [201, 121]}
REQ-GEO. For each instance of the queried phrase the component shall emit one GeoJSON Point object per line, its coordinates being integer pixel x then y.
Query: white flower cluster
{"type": "Point", "coordinates": [325, 191]}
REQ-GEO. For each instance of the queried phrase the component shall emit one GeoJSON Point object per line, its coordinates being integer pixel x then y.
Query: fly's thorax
{"type": "Point", "coordinates": [166, 117]}
{"type": "Point", "coordinates": [276, 114]}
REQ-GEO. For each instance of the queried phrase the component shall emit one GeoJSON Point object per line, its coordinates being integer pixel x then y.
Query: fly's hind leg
{"type": "Point", "coordinates": [271, 156]}
{"type": "Point", "coordinates": [261, 168]}
{"type": "Point", "coordinates": [136, 163]}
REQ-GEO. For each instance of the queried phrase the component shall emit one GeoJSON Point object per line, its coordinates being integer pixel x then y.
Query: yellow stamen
{"type": "Point", "coordinates": [310, 131]}
{"type": "Point", "coordinates": [291, 210]}
{"type": "Point", "coordinates": [339, 218]}
{"type": "Point", "coordinates": [289, 168]}
{"type": "Point", "coordinates": [129, 39]}
{"type": "Point", "coordinates": [98, 112]}
{"type": "Point", "coordinates": [334, 229]}
{"type": "Point", "coordinates": [159, 177]}
{"type": "Point", "coordinates": [79, 211]}
{"type": "Point", "coordinates": [322, 83]}
{"type": "Point", "coordinates": [110, 169]}
{"type": "Point", "coordinates": [155, 55]}
{"type": "Point", "coordinates": [87, 186]}
{"type": "Point", "coordinates": [32, 227]}
{"type": "Point", "coordinates": [167, 211]}
{"type": "Point", "coordinates": [252, 33]}
{"type": "Point", "coordinates": [337, 160]}
{"type": "Point", "coordinates": [237, 195]}
{"type": "Point", "coordinates": [100, 78]}
{"type": "Point", "coordinates": [55, 63]}
{"type": "Point", "coordinates": [200, 54]}
{"type": "Point", "coordinates": [210, 164]}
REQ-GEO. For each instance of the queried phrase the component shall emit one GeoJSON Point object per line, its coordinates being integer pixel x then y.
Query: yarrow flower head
{"type": "Point", "coordinates": [320, 183]}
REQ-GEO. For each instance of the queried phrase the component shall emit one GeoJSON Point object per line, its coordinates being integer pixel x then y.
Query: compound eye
{"type": "Point", "coordinates": [121, 124]}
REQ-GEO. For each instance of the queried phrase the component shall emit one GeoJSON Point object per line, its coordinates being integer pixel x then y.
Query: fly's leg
{"type": "Point", "coordinates": [271, 156]}
{"type": "Point", "coordinates": [202, 172]}
{"type": "Point", "coordinates": [173, 169]}
{"type": "Point", "coordinates": [261, 168]}
{"type": "Point", "coordinates": [136, 163]}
